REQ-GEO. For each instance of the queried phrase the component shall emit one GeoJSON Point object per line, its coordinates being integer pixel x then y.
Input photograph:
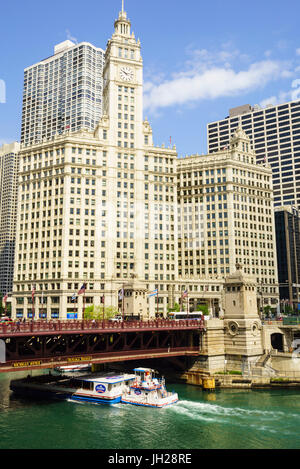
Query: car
{"type": "Point", "coordinates": [117, 319]}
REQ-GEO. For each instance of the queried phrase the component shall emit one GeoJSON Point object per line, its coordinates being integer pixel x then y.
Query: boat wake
{"type": "Point", "coordinates": [213, 413]}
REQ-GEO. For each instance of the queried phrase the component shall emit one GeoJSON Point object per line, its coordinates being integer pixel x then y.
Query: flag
{"type": "Point", "coordinates": [121, 294]}
{"type": "Point", "coordinates": [74, 297]}
{"type": "Point", "coordinates": [33, 292]}
{"type": "Point", "coordinates": [5, 298]}
{"type": "Point", "coordinates": [102, 299]}
{"type": "Point", "coordinates": [153, 293]}
{"type": "Point", "coordinates": [82, 290]}
{"type": "Point", "coordinates": [184, 294]}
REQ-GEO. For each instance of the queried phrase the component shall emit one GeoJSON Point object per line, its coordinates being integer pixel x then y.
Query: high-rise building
{"type": "Point", "coordinates": [9, 161]}
{"type": "Point", "coordinates": [275, 134]}
{"type": "Point", "coordinates": [98, 207]}
{"type": "Point", "coordinates": [226, 217]}
{"type": "Point", "coordinates": [288, 254]}
{"type": "Point", "coordinates": [63, 92]}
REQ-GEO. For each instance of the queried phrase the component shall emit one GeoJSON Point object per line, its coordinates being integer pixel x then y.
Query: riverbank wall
{"type": "Point", "coordinates": [232, 381]}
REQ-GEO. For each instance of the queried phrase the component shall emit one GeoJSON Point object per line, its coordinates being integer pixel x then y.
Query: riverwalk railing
{"type": "Point", "coordinates": [292, 321]}
{"type": "Point", "coordinates": [44, 326]}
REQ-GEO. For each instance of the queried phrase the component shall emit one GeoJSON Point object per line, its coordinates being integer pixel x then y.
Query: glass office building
{"type": "Point", "coordinates": [9, 163]}
{"type": "Point", "coordinates": [63, 92]}
{"type": "Point", "coordinates": [275, 134]}
{"type": "Point", "coordinates": [288, 254]}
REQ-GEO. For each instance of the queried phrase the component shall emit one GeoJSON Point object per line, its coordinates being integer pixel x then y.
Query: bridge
{"type": "Point", "coordinates": [48, 344]}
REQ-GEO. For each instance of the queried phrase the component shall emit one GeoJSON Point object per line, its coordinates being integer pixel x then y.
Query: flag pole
{"type": "Point", "coordinates": [5, 304]}
{"type": "Point", "coordinates": [83, 309]}
{"type": "Point", "coordinates": [123, 302]}
{"type": "Point", "coordinates": [32, 296]}
{"type": "Point", "coordinates": [157, 312]}
{"type": "Point", "coordinates": [42, 304]}
{"type": "Point", "coordinates": [103, 306]}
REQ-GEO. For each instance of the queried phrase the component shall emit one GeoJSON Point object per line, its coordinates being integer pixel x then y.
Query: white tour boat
{"type": "Point", "coordinates": [148, 391]}
{"type": "Point", "coordinates": [140, 388]}
{"type": "Point", "coordinates": [100, 389]}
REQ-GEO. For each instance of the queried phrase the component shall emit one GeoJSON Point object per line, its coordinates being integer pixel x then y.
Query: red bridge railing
{"type": "Point", "coordinates": [43, 326]}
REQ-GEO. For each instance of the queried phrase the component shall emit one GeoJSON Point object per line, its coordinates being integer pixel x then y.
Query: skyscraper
{"type": "Point", "coordinates": [97, 207]}
{"type": "Point", "coordinates": [63, 92]}
{"type": "Point", "coordinates": [288, 254]}
{"type": "Point", "coordinates": [9, 161]}
{"type": "Point", "coordinates": [227, 218]}
{"type": "Point", "coordinates": [275, 134]}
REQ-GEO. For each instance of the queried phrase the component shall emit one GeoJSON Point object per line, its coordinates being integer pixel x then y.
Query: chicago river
{"type": "Point", "coordinates": [225, 419]}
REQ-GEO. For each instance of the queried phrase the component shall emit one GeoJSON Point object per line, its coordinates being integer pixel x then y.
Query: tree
{"type": "Point", "coordinates": [203, 309]}
{"type": "Point", "coordinates": [175, 309]}
{"type": "Point", "coordinates": [267, 311]}
{"type": "Point", "coordinates": [96, 312]}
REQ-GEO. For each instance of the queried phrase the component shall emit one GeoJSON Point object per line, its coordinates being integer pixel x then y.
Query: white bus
{"type": "Point", "coordinates": [179, 316]}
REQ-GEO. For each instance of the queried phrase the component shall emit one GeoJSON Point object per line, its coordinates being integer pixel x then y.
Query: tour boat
{"type": "Point", "coordinates": [146, 390]}
{"type": "Point", "coordinates": [140, 388]}
{"type": "Point", "coordinates": [100, 389]}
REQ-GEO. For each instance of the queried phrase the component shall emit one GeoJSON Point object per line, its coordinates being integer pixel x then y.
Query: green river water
{"type": "Point", "coordinates": [226, 419]}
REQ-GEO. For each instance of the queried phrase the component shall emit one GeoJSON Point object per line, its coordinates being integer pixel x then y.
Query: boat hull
{"type": "Point", "coordinates": [159, 404]}
{"type": "Point", "coordinates": [43, 392]}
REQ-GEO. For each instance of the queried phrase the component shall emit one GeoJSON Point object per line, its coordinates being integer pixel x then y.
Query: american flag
{"type": "Point", "coordinates": [121, 294]}
{"type": "Point", "coordinates": [33, 292]}
{"type": "Point", "coordinates": [185, 294]}
{"type": "Point", "coordinates": [82, 290]}
{"type": "Point", "coordinates": [5, 298]}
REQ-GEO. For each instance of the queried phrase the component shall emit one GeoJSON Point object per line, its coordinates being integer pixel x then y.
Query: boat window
{"type": "Point", "coordinates": [109, 387]}
{"type": "Point", "coordinates": [87, 385]}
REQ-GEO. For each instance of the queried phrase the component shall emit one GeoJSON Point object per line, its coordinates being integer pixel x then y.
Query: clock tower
{"type": "Point", "coordinates": [136, 238]}
{"type": "Point", "coordinates": [123, 85]}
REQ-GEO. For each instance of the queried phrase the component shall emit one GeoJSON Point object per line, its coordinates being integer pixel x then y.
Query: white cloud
{"type": "Point", "coordinates": [70, 37]}
{"type": "Point", "coordinates": [283, 96]}
{"type": "Point", "coordinates": [298, 51]}
{"type": "Point", "coordinates": [204, 80]}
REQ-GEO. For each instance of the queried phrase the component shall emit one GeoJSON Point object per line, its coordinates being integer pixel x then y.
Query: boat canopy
{"type": "Point", "coordinates": [109, 379]}
{"type": "Point", "coordinates": [143, 370]}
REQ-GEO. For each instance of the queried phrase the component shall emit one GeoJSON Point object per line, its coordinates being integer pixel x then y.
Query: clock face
{"type": "Point", "coordinates": [126, 74]}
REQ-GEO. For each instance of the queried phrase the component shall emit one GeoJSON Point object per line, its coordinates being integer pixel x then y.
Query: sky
{"type": "Point", "coordinates": [200, 58]}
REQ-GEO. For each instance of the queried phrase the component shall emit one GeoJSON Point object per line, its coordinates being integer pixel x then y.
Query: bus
{"type": "Point", "coordinates": [179, 316]}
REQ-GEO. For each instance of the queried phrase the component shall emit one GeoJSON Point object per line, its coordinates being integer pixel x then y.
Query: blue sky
{"type": "Point", "coordinates": [200, 58]}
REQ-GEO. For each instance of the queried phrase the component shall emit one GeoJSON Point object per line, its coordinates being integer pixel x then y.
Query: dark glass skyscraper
{"type": "Point", "coordinates": [288, 254]}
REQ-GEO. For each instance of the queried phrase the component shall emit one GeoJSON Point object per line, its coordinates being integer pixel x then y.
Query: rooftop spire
{"type": "Point", "coordinates": [122, 24]}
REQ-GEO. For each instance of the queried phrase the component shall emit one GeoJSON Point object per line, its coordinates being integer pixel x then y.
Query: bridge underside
{"type": "Point", "coordinates": [36, 352]}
